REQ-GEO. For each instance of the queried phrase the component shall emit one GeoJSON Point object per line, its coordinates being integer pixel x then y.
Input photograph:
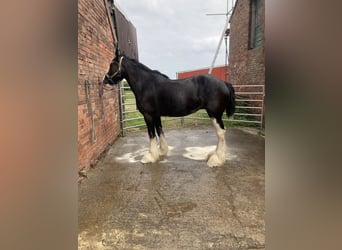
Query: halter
{"type": "Point", "coordinates": [118, 71]}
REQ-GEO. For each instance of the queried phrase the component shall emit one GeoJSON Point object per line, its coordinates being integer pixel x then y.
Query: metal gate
{"type": "Point", "coordinates": [130, 117]}
{"type": "Point", "coordinates": [249, 109]}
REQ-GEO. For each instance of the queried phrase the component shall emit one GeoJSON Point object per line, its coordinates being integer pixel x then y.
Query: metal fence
{"type": "Point", "coordinates": [249, 108]}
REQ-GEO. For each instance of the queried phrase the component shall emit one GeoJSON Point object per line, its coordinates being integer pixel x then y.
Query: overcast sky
{"type": "Point", "coordinates": [177, 35]}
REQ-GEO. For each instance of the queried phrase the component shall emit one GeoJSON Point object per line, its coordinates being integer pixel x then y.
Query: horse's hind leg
{"type": "Point", "coordinates": [152, 155]}
{"type": "Point", "coordinates": [164, 148]}
{"type": "Point", "coordinates": [218, 156]}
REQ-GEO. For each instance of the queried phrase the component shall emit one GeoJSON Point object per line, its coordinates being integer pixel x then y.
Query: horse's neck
{"type": "Point", "coordinates": [133, 78]}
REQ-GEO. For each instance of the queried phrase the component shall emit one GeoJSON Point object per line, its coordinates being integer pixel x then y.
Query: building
{"type": "Point", "coordinates": [102, 29]}
{"type": "Point", "coordinates": [220, 72]}
{"type": "Point", "coordinates": [247, 46]}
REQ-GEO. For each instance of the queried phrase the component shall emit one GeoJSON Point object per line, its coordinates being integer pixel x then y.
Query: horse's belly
{"type": "Point", "coordinates": [180, 108]}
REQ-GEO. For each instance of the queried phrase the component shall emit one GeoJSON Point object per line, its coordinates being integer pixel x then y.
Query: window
{"type": "Point", "coordinates": [256, 24]}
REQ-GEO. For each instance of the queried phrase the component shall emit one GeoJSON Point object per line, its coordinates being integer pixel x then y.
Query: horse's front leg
{"type": "Point", "coordinates": [153, 154]}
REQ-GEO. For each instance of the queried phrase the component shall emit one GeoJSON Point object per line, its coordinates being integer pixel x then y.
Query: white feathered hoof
{"type": "Point", "coordinates": [153, 154]}
{"type": "Point", "coordinates": [149, 158]}
{"type": "Point", "coordinates": [211, 154]}
{"type": "Point", "coordinates": [214, 160]}
{"type": "Point", "coordinates": [163, 151]}
{"type": "Point", "coordinates": [164, 148]}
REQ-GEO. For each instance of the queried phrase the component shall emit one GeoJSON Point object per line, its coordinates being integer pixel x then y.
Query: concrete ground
{"type": "Point", "coordinates": [178, 203]}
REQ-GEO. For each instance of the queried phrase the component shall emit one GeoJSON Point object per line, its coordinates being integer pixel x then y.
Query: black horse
{"type": "Point", "coordinates": [156, 95]}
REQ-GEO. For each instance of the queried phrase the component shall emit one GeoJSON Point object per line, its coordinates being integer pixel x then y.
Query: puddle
{"type": "Point", "coordinates": [136, 156]}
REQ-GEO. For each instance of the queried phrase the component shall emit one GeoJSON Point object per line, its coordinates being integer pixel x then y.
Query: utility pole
{"type": "Point", "coordinates": [219, 46]}
{"type": "Point", "coordinates": [224, 32]}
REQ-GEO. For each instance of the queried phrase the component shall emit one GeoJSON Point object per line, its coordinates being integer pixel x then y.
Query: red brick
{"type": "Point", "coordinates": [247, 66]}
{"type": "Point", "coordinates": [95, 51]}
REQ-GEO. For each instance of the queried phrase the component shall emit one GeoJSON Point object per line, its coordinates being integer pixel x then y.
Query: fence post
{"type": "Point", "coordinates": [262, 107]}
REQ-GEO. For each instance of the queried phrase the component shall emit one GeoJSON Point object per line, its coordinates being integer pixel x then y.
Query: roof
{"type": "Point", "coordinates": [219, 71]}
{"type": "Point", "coordinates": [198, 69]}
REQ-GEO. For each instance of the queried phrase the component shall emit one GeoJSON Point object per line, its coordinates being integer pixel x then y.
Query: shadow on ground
{"type": "Point", "coordinates": [178, 203]}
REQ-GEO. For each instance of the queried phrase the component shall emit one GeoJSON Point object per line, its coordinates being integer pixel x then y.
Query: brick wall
{"type": "Point", "coordinates": [95, 52]}
{"type": "Point", "coordinates": [247, 66]}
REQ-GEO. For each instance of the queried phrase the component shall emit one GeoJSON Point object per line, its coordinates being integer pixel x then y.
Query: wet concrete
{"type": "Point", "coordinates": [178, 203]}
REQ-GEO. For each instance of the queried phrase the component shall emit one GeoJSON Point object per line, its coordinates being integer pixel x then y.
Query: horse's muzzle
{"type": "Point", "coordinates": [108, 80]}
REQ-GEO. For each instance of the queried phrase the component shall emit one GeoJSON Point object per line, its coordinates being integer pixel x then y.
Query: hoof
{"type": "Point", "coordinates": [214, 160]}
{"type": "Point", "coordinates": [163, 151]}
{"type": "Point", "coordinates": [211, 154]}
{"type": "Point", "coordinates": [148, 158]}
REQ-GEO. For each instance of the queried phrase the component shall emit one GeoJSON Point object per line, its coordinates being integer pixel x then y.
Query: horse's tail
{"type": "Point", "coordinates": [230, 108]}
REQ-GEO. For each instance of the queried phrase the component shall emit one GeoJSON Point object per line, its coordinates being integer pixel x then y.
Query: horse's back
{"type": "Point", "coordinates": [210, 86]}
{"type": "Point", "coordinates": [178, 98]}
{"type": "Point", "coordinates": [185, 96]}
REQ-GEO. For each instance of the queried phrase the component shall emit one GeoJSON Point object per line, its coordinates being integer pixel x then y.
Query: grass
{"type": "Point", "coordinates": [190, 121]}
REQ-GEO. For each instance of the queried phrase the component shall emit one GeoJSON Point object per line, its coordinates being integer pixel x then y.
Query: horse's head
{"type": "Point", "coordinates": [114, 74]}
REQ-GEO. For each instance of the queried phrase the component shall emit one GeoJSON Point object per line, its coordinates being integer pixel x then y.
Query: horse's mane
{"type": "Point", "coordinates": [144, 67]}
